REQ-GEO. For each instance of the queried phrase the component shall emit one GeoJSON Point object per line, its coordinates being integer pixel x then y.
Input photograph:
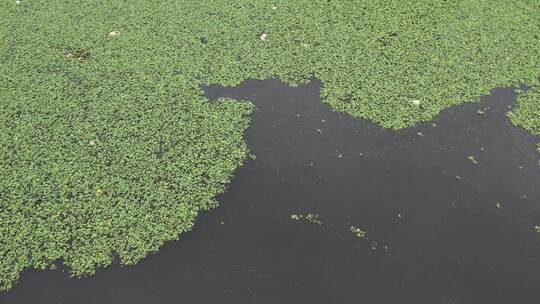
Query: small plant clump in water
{"type": "Point", "coordinates": [359, 233]}
{"type": "Point", "coordinates": [312, 218]}
{"type": "Point", "coordinates": [296, 217]}
{"type": "Point", "coordinates": [527, 114]}
{"type": "Point", "coordinates": [472, 159]}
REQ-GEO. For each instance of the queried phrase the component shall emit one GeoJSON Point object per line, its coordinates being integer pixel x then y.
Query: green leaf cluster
{"type": "Point", "coordinates": [527, 113]}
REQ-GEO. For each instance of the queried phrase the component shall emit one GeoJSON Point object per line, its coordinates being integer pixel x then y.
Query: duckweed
{"type": "Point", "coordinates": [472, 159]}
{"type": "Point", "coordinates": [527, 113]}
{"type": "Point", "coordinates": [160, 152]}
{"type": "Point", "coordinates": [359, 233]}
{"type": "Point", "coordinates": [312, 218]}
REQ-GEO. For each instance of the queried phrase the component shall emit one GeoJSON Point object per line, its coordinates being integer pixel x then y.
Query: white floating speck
{"type": "Point", "coordinates": [18, 2]}
{"type": "Point", "coordinates": [92, 143]}
{"type": "Point", "coordinates": [114, 33]}
{"type": "Point", "coordinates": [274, 7]}
{"type": "Point", "coordinates": [263, 36]}
{"type": "Point", "coordinates": [416, 102]}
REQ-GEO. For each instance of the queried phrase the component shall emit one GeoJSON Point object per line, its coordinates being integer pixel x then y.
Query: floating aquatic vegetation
{"type": "Point", "coordinates": [527, 112]}
{"type": "Point", "coordinates": [162, 152]}
{"type": "Point", "coordinates": [472, 159]}
{"type": "Point", "coordinates": [312, 218]}
{"type": "Point", "coordinates": [359, 233]}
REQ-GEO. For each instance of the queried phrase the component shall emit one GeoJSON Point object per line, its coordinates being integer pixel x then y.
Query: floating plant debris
{"type": "Point", "coordinates": [359, 233]}
{"type": "Point", "coordinates": [312, 218]}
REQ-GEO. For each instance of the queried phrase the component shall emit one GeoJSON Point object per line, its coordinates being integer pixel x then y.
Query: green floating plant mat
{"type": "Point", "coordinates": [109, 148]}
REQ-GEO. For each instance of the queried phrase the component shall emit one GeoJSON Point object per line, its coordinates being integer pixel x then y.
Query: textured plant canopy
{"type": "Point", "coordinates": [108, 147]}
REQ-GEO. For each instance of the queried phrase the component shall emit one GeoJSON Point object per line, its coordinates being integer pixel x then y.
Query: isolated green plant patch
{"type": "Point", "coordinates": [527, 113]}
{"type": "Point", "coordinates": [109, 148]}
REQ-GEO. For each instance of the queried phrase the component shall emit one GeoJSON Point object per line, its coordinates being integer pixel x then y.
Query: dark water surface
{"type": "Point", "coordinates": [432, 237]}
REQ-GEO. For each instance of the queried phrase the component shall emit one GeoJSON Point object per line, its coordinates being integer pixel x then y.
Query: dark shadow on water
{"type": "Point", "coordinates": [441, 229]}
